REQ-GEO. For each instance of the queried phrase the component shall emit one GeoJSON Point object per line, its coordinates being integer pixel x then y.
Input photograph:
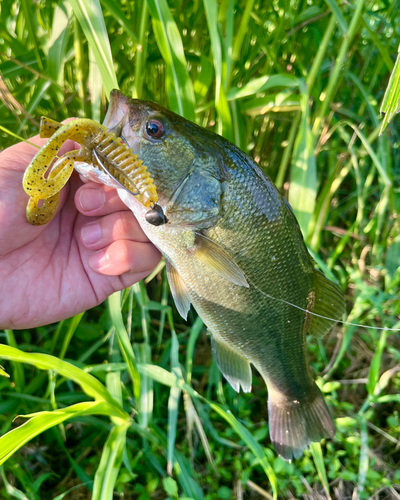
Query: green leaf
{"type": "Point", "coordinates": [146, 400]}
{"type": "Point", "coordinates": [12, 490]}
{"type": "Point", "coordinates": [90, 385]}
{"type": "Point", "coordinates": [119, 15]}
{"type": "Point", "coordinates": [167, 378]}
{"type": "Point", "coordinates": [13, 440]}
{"type": "Point", "coordinates": [393, 257]}
{"type": "Point", "coordinates": [391, 100]}
{"type": "Point", "coordinates": [318, 457]}
{"type": "Point", "coordinates": [303, 173]}
{"type": "Point", "coordinates": [380, 167]}
{"type": "Point", "coordinates": [114, 306]}
{"type": "Point", "coordinates": [58, 41]}
{"type": "Point", "coordinates": [73, 324]}
{"type": "Point", "coordinates": [339, 16]}
{"type": "Point", "coordinates": [375, 367]}
{"type": "Point", "coordinates": [243, 28]}
{"type": "Point", "coordinates": [262, 84]}
{"type": "Point", "coordinates": [158, 374]}
{"type": "Point", "coordinates": [173, 401]}
{"type": "Point", "coordinates": [254, 446]}
{"type": "Point", "coordinates": [280, 102]}
{"type": "Point", "coordinates": [194, 333]}
{"type": "Point", "coordinates": [169, 42]}
{"type": "Point", "coordinates": [170, 487]}
{"type": "Point", "coordinates": [61, 496]}
{"type": "Point", "coordinates": [110, 463]}
{"type": "Point", "coordinates": [90, 17]}
{"type": "Point", "coordinates": [225, 119]}
{"type": "Point", "coordinates": [95, 85]}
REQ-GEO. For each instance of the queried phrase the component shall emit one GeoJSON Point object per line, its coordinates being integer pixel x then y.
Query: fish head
{"type": "Point", "coordinates": [176, 152]}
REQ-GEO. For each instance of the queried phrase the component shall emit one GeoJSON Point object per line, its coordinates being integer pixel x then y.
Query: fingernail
{"type": "Point", "coordinates": [99, 260]}
{"type": "Point", "coordinates": [91, 199]}
{"type": "Point", "coordinates": [91, 233]}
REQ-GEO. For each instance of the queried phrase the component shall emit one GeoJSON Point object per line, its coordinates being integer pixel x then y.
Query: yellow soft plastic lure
{"type": "Point", "coordinates": [98, 147]}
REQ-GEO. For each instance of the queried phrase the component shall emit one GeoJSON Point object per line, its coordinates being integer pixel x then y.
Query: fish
{"type": "Point", "coordinates": [235, 252]}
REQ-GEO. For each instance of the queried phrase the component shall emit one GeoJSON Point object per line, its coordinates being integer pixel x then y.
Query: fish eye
{"type": "Point", "coordinates": [155, 128]}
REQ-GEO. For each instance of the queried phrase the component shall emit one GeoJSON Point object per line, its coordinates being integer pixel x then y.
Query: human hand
{"type": "Point", "coordinates": [92, 248]}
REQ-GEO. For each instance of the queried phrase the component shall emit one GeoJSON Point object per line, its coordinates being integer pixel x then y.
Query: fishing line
{"type": "Point", "coordinates": [325, 317]}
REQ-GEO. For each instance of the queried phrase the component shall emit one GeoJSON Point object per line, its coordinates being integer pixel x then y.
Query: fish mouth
{"type": "Point", "coordinates": [117, 119]}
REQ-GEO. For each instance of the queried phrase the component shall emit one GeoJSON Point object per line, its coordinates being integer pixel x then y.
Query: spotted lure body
{"type": "Point", "coordinates": [98, 146]}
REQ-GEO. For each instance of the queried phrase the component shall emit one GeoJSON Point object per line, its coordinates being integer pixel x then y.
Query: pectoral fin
{"type": "Point", "coordinates": [215, 257]}
{"type": "Point", "coordinates": [328, 302]}
{"type": "Point", "coordinates": [235, 368]}
{"type": "Point", "coordinates": [178, 290]}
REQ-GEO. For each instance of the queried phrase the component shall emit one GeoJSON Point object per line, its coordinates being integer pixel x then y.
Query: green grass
{"type": "Point", "coordinates": [129, 393]}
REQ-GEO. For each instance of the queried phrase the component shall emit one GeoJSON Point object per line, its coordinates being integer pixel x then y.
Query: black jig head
{"type": "Point", "coordinates": [156, 216]}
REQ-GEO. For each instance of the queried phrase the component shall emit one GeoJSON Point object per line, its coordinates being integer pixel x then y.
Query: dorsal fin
{"type": "Point", "coordinates": [215, 257]}
{"type": "Point", "coordinates": [328, 302]}
{"type": "Point", "coordinates": [178, 290]}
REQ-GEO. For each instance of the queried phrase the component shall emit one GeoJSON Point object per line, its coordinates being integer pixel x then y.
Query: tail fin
{"type": "Point", "coordinates": [294, 424]}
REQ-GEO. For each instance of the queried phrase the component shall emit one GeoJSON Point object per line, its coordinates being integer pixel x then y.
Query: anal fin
{"type": "Point", "coordinates": [235, 368]}
{"type": "Point", "coordinates": [178, 290]}
{"type": "Point", "coordinates": [328, 302]}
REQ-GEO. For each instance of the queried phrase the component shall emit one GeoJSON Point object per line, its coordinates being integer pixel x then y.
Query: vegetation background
{"type": "Point", "coordinates": [298, 86]}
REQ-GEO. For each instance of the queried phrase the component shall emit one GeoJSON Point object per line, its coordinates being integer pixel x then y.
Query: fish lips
{"type": "Point", "coordinates": [120, 120]}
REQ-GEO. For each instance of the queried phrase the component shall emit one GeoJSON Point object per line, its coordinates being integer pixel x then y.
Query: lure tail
{"type": "Point", "coordinates": [294, 424]}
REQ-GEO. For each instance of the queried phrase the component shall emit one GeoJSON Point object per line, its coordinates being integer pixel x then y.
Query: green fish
{"type": "Point", "coordinates": [234, 250]}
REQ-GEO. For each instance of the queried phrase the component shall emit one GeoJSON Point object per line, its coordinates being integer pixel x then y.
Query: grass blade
{"type": "Point", "coordinates": [58, 41]}
{"type": "Point", "coordinates": [384, 174]}
{"type": "Point", "coordinates": [118, 14]}
{"type": "Point", "coordinates": [253, 445]}
{"type": "Point", "coordinates": [173, 402]}
{"type": "Point", "coordinates": [318, 457]}
{"type": "Point", "coordinates": [303, 174]}
{"type": "Point", "coordinates": [262, 84]}
{"type": "Point", "coordinates": [375, 367]}
{"type": "Point", "coordinates": [364, 458]}
{"type": "Point", "coordinates": [194, 334]}
{"type": "Point", "coordinates": [13, 440]}
{"type": "Point", "coordinates": [339, 16]}
{"type": "Point", "coordinates": [90, 17]}
{"type": "Point", "coordinates": [17, 368]}
{"type": "Point", "coordinates": [167, 378]}
{"type": "Point", "coordinates": [146, 400]}
{"type": "Point", "coordinates": [225, 119]}
{"type": "Point", "coordinates": [95, 86]}
{"type": "Point", "coordinates": [110, 463]}
{"type": "Point", "coordinates": [12, 490]}
{"type": "Point", "coordinates": [72, 326]}
{"type": "Point", "coordinates": [170, 44]}
{"type": "Point", "coordinates": [280, 102]}
{"type": "Point", "coordinates": [243, 27]}
{"type": "Point", "coordinates": [391, 100]}
{"type": "Point", "coordinates": [90, 385]}
{"type": "Point", "coordinates": [141, 54]}
{"type": "Point", "coordinates": [114, 307]}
